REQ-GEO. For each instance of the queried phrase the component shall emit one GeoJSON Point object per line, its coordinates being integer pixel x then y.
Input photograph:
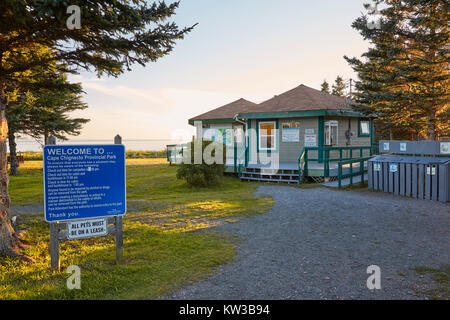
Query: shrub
{"type": "Point", "coordinates": [204, 174]}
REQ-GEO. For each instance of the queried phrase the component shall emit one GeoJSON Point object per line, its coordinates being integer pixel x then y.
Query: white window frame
{"type": "Point", "coordinates": [274, 147]}
{"type": "Point", "coordinates": [368, 127]}
{"type": "Point", "coordinates": [331, 123]}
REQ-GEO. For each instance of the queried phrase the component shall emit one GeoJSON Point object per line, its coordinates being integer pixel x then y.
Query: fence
{"type": "Point", "coordinates": [326, 155]}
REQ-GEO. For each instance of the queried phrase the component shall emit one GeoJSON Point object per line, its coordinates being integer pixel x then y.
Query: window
{"type": "Point", "coordinates": [223, 135]}
{"type": "Point", "coordinates": [267, 136]}
{"type": "Point", "coordinates": [290, 131]}
{"type": "Point", "coordinates": [364, 128]}
{"type": "Point", "coordinates": [331, 133]}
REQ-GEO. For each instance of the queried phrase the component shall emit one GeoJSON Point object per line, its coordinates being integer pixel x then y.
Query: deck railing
{"type": "Point", "coordinates": [175, 152]}
{"type": "Point", "coordinates": [351, 173]}
{"type": "Point", "coordinates": [326, 155]}
{"type": "Point", "coordinates": [241, 160]}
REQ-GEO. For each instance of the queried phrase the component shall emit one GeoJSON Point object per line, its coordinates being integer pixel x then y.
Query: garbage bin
{"type": "Point", "coordinates": [423, 177]}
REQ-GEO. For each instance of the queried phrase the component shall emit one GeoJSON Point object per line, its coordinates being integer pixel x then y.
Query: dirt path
{"type": "Point", "coordinates": [37, 208]}
{"type": "Point", "coordinates": [317, 244]}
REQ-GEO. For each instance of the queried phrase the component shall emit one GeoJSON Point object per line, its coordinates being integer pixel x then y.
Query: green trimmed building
{"type": "Point", "coordinates": [301, 132]}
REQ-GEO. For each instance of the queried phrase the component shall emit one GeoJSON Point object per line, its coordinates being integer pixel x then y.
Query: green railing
{"type": "Point", "coordinates": [302, 165]}
{"type": "Point", "coordinates": [242, 160]}
{"type": "Point", "coordinates": [175, 152]}
{"type": "Point", "coordinates": [351, 173]}
{"type": "Point", "coordinates": [325, 155]}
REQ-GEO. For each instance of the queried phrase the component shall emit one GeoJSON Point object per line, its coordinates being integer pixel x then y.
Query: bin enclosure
{"type": "Point", "coordinates": [419, 169]}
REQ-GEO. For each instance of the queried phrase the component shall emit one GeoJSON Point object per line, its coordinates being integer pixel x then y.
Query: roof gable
{"type": "Point", "coordinates": [227, 111]}
{"type": "Point", "coordinates": [302, 98]}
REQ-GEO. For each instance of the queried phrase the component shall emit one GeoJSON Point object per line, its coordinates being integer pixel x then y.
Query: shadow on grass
{"type": "Point", "coordinates": [162, 251]}
{"type": "Point", "coordinates": [155, 263]}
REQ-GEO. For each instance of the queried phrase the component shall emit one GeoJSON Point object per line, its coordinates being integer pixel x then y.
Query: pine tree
{"type": "Point", "coordinates": [325, 87]}
{"type": "Point", "coordinates": [42, 113]}
{"type": "Point", "coordinates": [338, 88]}
{"type": "Point", "coordinates": [112, 36]}
{"type": "Point", "coordinates": [40, 100]}
{"type": "Point", "coordinates": [405, 74]}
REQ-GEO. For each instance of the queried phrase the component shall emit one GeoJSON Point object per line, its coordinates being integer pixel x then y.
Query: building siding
{"type": "Point", "coordinates": [343, 125]}
{"type": "Point", "coordinates": [290, 151]}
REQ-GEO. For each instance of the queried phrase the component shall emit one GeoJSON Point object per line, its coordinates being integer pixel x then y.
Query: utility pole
{"type": "Point", "coordinates": [350, 97]}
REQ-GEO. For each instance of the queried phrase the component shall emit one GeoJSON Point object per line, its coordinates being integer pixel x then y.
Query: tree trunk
{"type": "Point", "coordinates": [431, 127]}
{"type": "Point", "coordinates": [10, 244]}
{"type": "Point", "coordinates": [14, 164]}
{"type": "Point", "coordinates": [8, 238]}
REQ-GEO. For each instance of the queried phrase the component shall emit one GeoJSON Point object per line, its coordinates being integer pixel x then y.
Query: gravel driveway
{"type": "Point", "coordinates": [317, 244]}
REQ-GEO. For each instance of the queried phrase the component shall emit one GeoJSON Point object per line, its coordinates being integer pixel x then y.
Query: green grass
{"type": "Point", "coordinates": [27, 188]}
{"type": "Point", "coordinates": [356, 186]}
{"type": "Point", "coordinates": [163, 248]}
{"type": "Point", "coordinates": [441, 279]}
{"type": "Point", "coordinates": [167, 203]}
{"type": "Point", "coordinates": [31, 156]}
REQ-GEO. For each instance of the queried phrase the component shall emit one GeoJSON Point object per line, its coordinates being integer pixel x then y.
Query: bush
{"type": "Point", "coordinates": [204, 174]}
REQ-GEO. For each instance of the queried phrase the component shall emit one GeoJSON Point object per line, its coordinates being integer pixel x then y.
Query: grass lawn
{"type": "Point", "coordinates": [164, 246]}
{"type": "Point", "coordinates": [440, 286]}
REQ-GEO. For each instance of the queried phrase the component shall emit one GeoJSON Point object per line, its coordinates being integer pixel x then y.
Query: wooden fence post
{"type": "Point", "coordinates": [54, 246]}
{"type": "Point", "coordinates": [54, 242]}
{"type": "Point", "coordinates": [118, 221]}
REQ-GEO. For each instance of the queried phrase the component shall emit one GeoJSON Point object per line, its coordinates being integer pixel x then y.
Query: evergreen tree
{"type": "Point", "coordinates": [405, 75]}
{"type": "Point", "coordinates": [42, 113]}
{"type": "Point", "coordinates": [325, 87]}
{"type": "Point", "coordinates": [40, 100]}
{"type": "Point", "coordinates": [111, 36]}
{"type": "Point", "coordinates": [338, 88]}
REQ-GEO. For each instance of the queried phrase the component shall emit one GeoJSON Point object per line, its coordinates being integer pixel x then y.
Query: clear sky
{"type": "Point", "coordinates": [241, 48]}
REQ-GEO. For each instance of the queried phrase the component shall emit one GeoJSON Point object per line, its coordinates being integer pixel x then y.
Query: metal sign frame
{"type": "Point", "coordinates": [114, 223]}
{"type": "Point", "coordinates": [84, 217]}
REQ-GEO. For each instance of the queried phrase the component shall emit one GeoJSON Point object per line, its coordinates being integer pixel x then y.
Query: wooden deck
{"type": "Point", "coordinates": [288, 171]}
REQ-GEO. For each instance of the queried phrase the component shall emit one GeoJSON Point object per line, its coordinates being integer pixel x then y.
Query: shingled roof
{"type": "Point", "coordinates": [227, 111]}
{"type": "Point", "coordinates": [301, 98]}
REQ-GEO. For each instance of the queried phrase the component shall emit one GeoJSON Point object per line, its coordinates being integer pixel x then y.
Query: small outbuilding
{"type": "Point", "coordinates": [301, 132]}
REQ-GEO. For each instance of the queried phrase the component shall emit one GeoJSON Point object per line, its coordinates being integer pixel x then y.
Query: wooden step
{"type": "Point", "coordinates": [270, 175]}
{"type": "Point", "coordinates": [269, 180]}
{"type": "Point", "coordinates": [259, 170]}
{"type": "Point", "coordinates": [277, 174]}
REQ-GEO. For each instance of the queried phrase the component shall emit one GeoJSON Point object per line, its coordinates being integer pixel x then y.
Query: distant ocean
{"type": "Point", "coordinates": [28, 145]}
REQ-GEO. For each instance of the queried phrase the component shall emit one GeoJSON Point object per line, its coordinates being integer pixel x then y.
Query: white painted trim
{"type": "Point", "coordinates": [332, 123]}
{"type": "Point", "coordinates": [274, 135]}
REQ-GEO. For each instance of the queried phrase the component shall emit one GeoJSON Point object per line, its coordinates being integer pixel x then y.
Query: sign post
{"type": "Point", "coordinates": [84, 192]}
{"type": "Point", "coordinates": [119, 222]}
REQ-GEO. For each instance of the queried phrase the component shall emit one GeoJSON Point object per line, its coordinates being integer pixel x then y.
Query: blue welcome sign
{"type": "Point", "coordinates": [84, 181]}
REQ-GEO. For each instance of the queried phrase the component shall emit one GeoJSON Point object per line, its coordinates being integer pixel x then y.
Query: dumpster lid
{"type": "Point", "coordinates": [410, 159]}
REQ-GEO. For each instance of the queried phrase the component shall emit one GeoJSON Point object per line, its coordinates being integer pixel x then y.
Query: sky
{"type": "Point", "coordinates": [252, 49]}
